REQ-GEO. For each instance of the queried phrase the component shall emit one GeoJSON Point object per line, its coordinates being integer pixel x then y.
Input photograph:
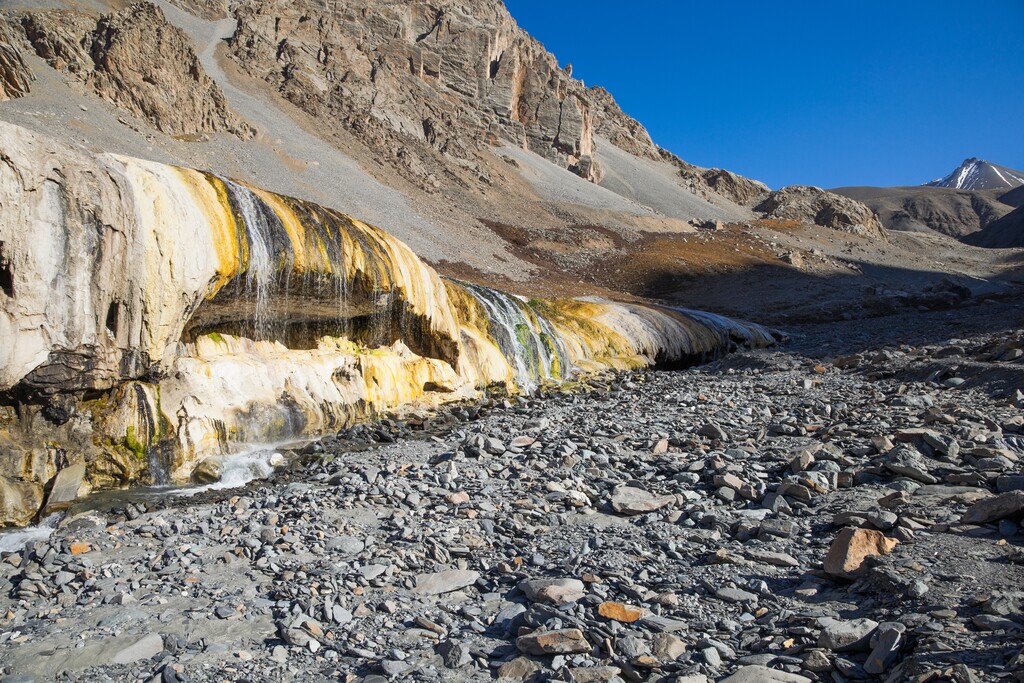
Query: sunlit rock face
{"type": "Point", "coordinates": [153, 315]}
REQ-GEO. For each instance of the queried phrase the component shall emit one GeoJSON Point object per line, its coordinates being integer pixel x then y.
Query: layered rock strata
{"type": "Point", "coordinates": [452, 75]}
{"type": "Point", "coordinates": [157, 314]}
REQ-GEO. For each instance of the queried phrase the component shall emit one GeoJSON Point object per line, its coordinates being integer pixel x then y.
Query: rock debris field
{"type": "Point", "coordinates": [768, 517]}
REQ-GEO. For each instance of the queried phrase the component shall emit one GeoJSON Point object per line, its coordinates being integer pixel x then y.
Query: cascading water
{"type": "Point", "coordinates": [528, 341]}
{"type": "Point", "coordinates": [261, 269]}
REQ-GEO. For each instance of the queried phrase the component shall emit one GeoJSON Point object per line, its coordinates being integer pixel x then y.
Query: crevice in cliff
{"type": "Point", "coordinates": [113, 322]}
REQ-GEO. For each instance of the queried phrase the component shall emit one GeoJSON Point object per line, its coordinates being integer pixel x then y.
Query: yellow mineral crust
{"type": "Point", "coordinates": [151, 270]}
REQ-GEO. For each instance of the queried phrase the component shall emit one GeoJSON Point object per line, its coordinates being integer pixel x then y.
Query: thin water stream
{"type": "Point", "coordinates": [260, 462]}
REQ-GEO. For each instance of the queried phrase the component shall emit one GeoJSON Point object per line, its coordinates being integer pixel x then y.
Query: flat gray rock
{"type": "Point", "coordinates": [444, 581]}
{"type": "Point", "coordinates": [762, 674]}
{"type": "Point", "coordinates": [995, 508]}
{"type": "Point", "coordinates": [145, 648]}
{"type": "Point", "coordinates": [628, 500]}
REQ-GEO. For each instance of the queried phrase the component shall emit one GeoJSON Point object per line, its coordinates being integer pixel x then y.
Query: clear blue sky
{"type": "Point", "coordinates": [818, 93]}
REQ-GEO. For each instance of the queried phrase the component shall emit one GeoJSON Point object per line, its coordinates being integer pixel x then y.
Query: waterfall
{"type": "Point", "coordinates": [261, 227]}
{"type": "Point", "coordinates": [528, 341]}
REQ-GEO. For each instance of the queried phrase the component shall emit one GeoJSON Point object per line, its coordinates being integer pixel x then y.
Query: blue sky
{"type": "Point", "coordinates": [827, 94]}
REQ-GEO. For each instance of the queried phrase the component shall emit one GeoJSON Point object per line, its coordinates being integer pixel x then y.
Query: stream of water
{"type": "Point", "coordinates": [260, 462]}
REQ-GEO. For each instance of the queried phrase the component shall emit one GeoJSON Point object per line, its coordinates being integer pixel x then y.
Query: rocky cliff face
{"type": "Point", "coordinates": [155, 314]}
{"type": "Point", "coordinates": [814, 205]}
{"type": "Point", "coordinates": [15, 76]}
{"type": "Point", "coordinates": [452, 75]}
{"type": "Point", "coordinates": [137, 61]}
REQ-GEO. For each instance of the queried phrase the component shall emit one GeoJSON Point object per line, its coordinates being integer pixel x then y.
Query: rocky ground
{"type": "Point", "coordinates": [840, 509]}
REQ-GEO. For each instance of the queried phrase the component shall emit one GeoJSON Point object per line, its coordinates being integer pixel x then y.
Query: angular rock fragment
{"type": "Point", "coordinates": [553, 591]}
{"type": "Point", "coordinates": [444, 581]}
{"type": "Point", "coordinates": [628, 500]}
{"type": "Point", "coordinates": [561, 642]}
{"type": "Point", "coordinates": [851, 547]}
{"type": "Point", "coordinates": [617, 611]}
{"type": "Point", "coordinates": [762, 674]}
{"type": "Point", "coordinates": [1002, 506]}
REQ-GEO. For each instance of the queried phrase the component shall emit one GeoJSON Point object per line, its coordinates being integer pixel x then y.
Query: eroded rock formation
{"type": "Point", "coordinates": [15, 76]}
{"type": "Point", "coordinates": [139, 62]}
{"type": "Point", "coordinates": [451, 75]}
{"type": "Point", "coordinates": [814, 205]}
{"type": "Point", "coordinates": [158, 314]}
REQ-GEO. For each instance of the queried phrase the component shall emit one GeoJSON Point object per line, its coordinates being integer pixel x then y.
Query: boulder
{"type": "Point", "coordinates": [852, 547]}
{"type": "Point", "coordinates": [1002, 506]}
{"type": "Point", "coordinates": [67, 486]}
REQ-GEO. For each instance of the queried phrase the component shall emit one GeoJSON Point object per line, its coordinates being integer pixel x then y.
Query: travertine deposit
{"type": "Point", "coordinates": [166, 314]}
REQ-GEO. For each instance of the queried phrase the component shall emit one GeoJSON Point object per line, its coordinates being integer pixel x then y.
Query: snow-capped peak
{"type": "Point", "coordinates": [978, 174]}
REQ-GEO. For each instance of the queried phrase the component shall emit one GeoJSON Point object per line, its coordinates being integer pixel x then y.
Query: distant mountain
{"type": "Point", "coordinates": [978, 174]}
{"type": "Point", "coordinates": [952, 212]}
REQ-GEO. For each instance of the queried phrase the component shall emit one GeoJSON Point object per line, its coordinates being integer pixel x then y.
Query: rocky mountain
{"type": "Point", "coordinates": [956, 213]}
{"type": "Point", "coordinates": [15, 76]}
{"type": "Point", "coordinates": [402, 318]}
{"type": "Point", "coordinates": [439, 120]}
{"type": "Point", "coordinates": [978, 174]}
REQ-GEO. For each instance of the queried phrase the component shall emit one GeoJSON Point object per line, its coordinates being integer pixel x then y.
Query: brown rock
{"type": "Point", "coordinates": [852, 546]}
{"type": "Point", "coordinates": [562, 642]}
{"type": "Point", "coordinates": [519, 669]}
{"type": "Point", "coordinates": [594, 674]}
{"type": "Point", "coordinates": [15, 76]}
{"type": "Point", "coordinates": [553, 591]}
{"type": "Point", "coordinates": [617, 611]}
{"type": "Point", "coordinates": [668, 646]}
{"type": "Point", "coordinates": [19, 501]}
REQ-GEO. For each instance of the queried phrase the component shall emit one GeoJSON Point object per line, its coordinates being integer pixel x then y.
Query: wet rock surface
{"type": "Point", "coordinates": [657, 526]}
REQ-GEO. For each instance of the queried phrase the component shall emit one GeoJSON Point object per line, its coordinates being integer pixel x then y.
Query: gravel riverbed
{"type": "Point", "coordinates": [774, 516]}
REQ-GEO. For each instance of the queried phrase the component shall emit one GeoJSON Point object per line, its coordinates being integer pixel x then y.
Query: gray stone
{"type": "Point", "coordinates": [997, 507]}
{"type": "Point", "coordinates": [454, 654]}
{"type": "Point", "coordinates": [444, 581]}
{"type": "Point", "coordinates": [345, 545]}
{"type": "Point", "coordinates": [841, 635]}
{"type": "Point", "coordinates": [144, 648]}
{"type": "Point", "coordinates": [886, 643]}
{"type": "Point", "coordinates": [762, 674]}
{"type": "Point", "coordinates": [66, 487]}
{"type": "Point", "coordinates": [735, 595]}
{"type": "Point", "coordinates": [553, 591]}
{"type": "Point", "coordinates": [628, 500]}
{"type": "Point", "coordinates": [908, 463]}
